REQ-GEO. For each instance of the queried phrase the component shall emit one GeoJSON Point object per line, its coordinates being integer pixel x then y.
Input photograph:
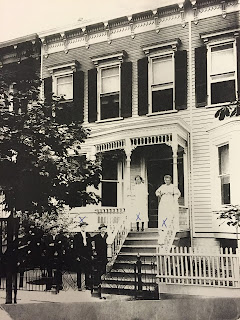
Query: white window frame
{"type": "Point", "coordinates": [156, 87]}
{"type": "Point", "coordinates": [155, 51]}
{"type": "Point", "coordinates": [100, 68]}
{"type": "Point", "coordinates": [119, 181]}
{"type": "Point", "coordinates": [62, 70]}
{"type": "Point", "coordinates": [224, 76]}
{"type": "Point", "coordinates": [222, 175]}
{"type": "Point", "coordinates": [55, 83]}
{"type": "Point", "coordinates": [104, 62]}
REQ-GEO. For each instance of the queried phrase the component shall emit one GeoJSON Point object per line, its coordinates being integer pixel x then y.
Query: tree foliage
{"type": "Point", "coordinates": [42, 167]}
{"type": "Point", "coordinates": [231, 215]}
{"type": "Point", "coordinates": [233, 109]}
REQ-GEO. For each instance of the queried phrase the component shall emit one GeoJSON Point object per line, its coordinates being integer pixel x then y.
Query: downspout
{"type": "Point", "coordinates": [190, 148]}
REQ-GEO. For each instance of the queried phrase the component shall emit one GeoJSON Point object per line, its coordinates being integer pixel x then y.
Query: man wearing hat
{"type": "Point", "coordinates": [100, 241]}
{"type": "Point", "coordinates": [83, 254]}
{"type": "Point", "coordinates": [54, 244]}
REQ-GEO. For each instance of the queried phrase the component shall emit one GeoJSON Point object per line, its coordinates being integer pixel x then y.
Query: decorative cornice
{"type": "Point", "coordinates": [131, 26]}
{"type": "Point", "coordinates": [70, 65]}
{"type": "Point", "coordinates": [206, 37]}
{"type": "Point", "coordinates": [65, 41]}
{"type": "Point", "coordinates": [114, 56]}
{"type": "Point", "coordinates": [86, 37]}
{"type": "Point", "coordinates": [108, 32]}
{"type": "Point", "coordinates": [155, 16]}
{"type": "Point", "coordinates": [173, 44]}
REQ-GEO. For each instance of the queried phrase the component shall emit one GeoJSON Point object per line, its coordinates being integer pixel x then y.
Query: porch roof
{"type": "Point", "coordinates": [172, 132]}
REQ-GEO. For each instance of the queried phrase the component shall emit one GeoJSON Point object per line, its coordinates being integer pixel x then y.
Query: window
{"type": "Point", "coordinates": [110, 88]}
{"type": "Point", "coordinates": [216, 68]}
{"type": "Point", "coordinates": [223, 162]}
{"type": "Point", "coordinates": [66, 80]}
{"type": "Point", "coordinates": [64, 86]}
{"type": "Point", "coordinates": [109, 182]}
{"type": "Point", "coordinates": [222, 73]}
{"type": "Point", "coordinates": [161, 85]}
{"type": "Point", "coordinates": [109, 92]}
{"type": "Point", "coordinates": [162, 78]}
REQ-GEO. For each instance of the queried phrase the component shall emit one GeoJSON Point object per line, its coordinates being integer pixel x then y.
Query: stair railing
{"type": "Point", "coordinates": [117, 238]}
{"type": "Point", "coordinates": [167, 234]}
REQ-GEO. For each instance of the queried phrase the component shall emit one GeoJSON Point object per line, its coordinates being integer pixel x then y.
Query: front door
{"type": "Point", "coordinates": [156, 169]}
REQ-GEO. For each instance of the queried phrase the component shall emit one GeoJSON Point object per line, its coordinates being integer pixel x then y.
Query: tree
{"type": "Point", "coordinates": [230, 110]}
{"type": "Point", "coordinates": [41, 165]}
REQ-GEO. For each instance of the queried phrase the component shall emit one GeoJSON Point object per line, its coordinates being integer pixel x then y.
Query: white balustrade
{"type": "Point", "coordinates": [109, 216]}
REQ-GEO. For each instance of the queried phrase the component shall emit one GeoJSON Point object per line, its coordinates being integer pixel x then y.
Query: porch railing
{"type": "Point", "coordinates": [109, 216]}
{"type": "Point", "coordinates": [184, 220]}
{"type": "Point", "coordinates": [117, 238]}
{"type": "Point", "coordinates": [188, 266]}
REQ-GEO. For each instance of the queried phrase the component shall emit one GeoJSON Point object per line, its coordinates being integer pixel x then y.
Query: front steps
{"type": "Point", "coordinates": [121, 278]}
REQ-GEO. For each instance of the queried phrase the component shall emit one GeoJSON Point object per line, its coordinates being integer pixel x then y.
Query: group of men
{"type": "Point", "coordinates": [88, 258]}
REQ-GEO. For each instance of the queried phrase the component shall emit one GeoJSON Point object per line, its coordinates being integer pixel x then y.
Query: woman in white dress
{"type": "Point", "coordinates": [140, 194]}
{"type": "Point", "coordinates": [168, 203]}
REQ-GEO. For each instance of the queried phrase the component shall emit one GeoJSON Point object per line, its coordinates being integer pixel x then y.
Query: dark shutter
{"type": "Point", "coordinates": [126, 89]}
{"type": "Point", "coordinates": [201, 76]}
{"type": "Point", "coordinates": [143, 86]}
{"type": "Point", "coordinates": [92, 95]}
{"type": "Point", "coordinates": [48, 89]}
{"type": "Point", "coordinates": [78, 95]}
{"type": "Point", "coordinates": [238, 66]}
{"type": "Point", "coordinates": [181, 80]}
{"type": "Point", "coordinates": [48, 96]}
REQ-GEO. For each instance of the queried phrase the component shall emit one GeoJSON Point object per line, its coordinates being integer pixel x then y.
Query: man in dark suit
{"type": "Point", "coordinates": [100, 241]}
{"type": "Point", "coordinates": [83, 255]}
{"type": "Point", "coordinates": [54, 251]}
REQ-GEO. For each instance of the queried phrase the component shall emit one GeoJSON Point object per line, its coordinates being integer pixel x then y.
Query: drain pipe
{"type": "Point", "coordinates": [190, 147]}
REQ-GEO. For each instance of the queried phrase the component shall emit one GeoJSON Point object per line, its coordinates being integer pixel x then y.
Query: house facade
{"type": "Point", "coordinates": [148, 86]}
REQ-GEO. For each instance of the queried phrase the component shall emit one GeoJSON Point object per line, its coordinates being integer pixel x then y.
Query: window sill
{"type": "Point", "coordinates": [109, 120]}
{"type": "Point", "coordinates": [161, 112]}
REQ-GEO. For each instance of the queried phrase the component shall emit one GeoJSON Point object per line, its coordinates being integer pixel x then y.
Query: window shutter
{"type": "Point", "coordinates": [126, 89]}
{"type": "Point", "coordinates": [181, 80]}
{"type": "Point", "coordinates": [143, 86]}
{"type": "Point", "coordinates": [48, 89]}
{"type": "Point", "coordinates": [238, 65]}
{"type": "Point", "coordinates": [78, 95]}
{"type": "Point", "coordinates": [92, 95]}
{"type": "Point", "coordinates": [201, 76]}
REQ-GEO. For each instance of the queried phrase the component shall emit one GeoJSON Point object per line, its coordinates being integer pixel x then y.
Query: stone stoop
{"type": "Point", "coordinates": [121, 278]}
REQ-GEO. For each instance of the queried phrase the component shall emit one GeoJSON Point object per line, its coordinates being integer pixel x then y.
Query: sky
{"type": "Point", "coordinates": [24, 17]}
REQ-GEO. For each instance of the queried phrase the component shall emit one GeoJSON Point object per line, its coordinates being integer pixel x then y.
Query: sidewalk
{"type": "Point", "coordinates": [68, 296]}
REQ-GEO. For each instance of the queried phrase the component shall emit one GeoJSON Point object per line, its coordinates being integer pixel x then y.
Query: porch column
{"type": "Point", "coordinates": [175, 169]}
{"type": "Point", "coordinates": [127, 177]}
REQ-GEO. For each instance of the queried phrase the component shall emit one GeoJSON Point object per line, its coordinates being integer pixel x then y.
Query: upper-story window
{"type": "Point", "coordinates": [64, 86]}
{"type": "Point", "coordinates": [216, 78]}
{"type": "Point", "coordinates": [109, 93]}
{"type": "Point", "coordinates": [66, 82]}
{"type": "Point", "coordinates": [222, 72]}
{"type": "Point", "coordinates": [162, 78]}
{"type": "Point", "coordinates": [162, 83]}
{"type": "Point", "coordinates": [110, 88]}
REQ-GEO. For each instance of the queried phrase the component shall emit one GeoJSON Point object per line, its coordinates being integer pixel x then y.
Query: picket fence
{"type": "Point", "coordinates": [188, 266]}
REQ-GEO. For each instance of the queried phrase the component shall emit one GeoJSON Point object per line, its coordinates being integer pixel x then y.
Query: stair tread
{"type": "Point", "coordinates": [139, 245]}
